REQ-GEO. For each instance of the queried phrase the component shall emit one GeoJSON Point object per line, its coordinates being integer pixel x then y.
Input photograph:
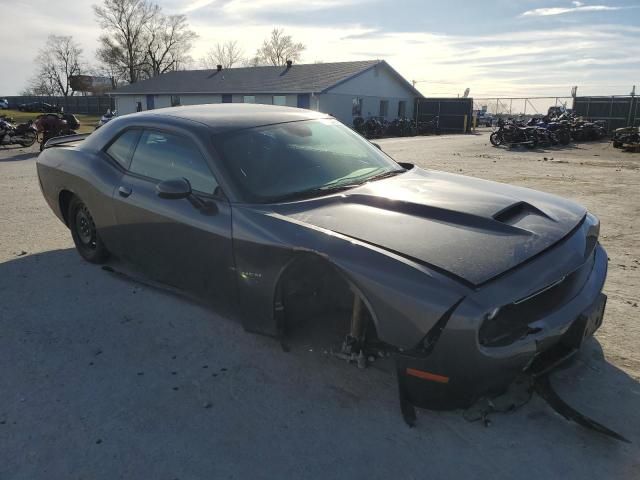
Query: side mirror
{"type": "Point", "coordinates": [174, 188]}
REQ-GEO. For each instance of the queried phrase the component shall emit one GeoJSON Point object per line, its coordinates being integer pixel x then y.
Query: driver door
{"type": "Point", "coordinates": [181, 242]}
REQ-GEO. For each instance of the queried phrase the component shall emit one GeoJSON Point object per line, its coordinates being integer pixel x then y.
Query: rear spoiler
{"type": "Point", "coordinates": [60, 141]}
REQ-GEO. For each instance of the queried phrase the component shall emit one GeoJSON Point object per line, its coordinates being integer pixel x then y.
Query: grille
{"type": "Point", "coordinates": [514, 321]}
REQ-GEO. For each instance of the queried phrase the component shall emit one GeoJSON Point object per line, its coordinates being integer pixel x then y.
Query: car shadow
{"type": "Point", "coordinates": [16, 153]}
{"type": "Point", "coordinates": [115, 364]}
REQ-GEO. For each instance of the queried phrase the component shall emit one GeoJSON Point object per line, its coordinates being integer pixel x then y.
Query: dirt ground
{"type": "Point", "coordinates": [101, 377]}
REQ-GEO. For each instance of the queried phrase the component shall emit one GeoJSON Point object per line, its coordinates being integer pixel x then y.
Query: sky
{"type": "Point", "coordinates": [494, 47]}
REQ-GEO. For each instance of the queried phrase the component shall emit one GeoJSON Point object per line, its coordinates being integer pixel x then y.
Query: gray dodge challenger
{"type": "Point", "coordinates": [279, 215]}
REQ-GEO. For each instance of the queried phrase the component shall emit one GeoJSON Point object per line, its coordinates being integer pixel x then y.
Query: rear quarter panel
{"type": "Point", "coordinates": [91, 177]}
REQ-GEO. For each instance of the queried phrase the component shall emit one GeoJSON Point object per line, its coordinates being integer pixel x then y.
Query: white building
{"type": "Point", "coordinates": [345, 89]}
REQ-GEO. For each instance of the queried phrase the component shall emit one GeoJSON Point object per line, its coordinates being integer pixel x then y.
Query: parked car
{"type": "Point", "coordinates": [4, 104]}
{"type": "Point", "coordinates": [41, 107]}
{"type": "Point", "coordinates": [279, 215]}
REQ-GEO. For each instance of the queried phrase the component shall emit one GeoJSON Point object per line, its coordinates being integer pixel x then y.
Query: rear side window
{"type": "Point", "coordinates": [122, 148]}
{"type": "Point", "coordinates": [164, 156]}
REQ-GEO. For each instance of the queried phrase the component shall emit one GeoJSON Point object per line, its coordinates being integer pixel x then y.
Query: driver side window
{"type": "Point", "coordinates": [164, 156]}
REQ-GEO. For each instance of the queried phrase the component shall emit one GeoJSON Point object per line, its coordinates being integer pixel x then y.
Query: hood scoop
{"type": "Point", "coordinates": [514, 213]}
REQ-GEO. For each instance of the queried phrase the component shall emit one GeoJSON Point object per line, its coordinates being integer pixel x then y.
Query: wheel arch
{"type": "Point", "coordinates": [294, 262]}
{"type": "Point", "coordinates": [64, 200]}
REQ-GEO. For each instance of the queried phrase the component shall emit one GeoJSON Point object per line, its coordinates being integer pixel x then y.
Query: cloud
{"type": "Point", "coordinates": [578, 7]}
{"type": "Point", "coordinates": [245, 6]}
{"type": "Point", "coordinates": [196, 5]}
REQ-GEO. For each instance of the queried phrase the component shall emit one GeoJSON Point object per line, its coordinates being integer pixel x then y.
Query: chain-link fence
{"type": "Point", "coordinates": [519, 106]}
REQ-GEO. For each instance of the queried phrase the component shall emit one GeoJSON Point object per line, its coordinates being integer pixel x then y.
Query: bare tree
{"type": "Point", "coordinates": [57, 61]}
{"type": "Point", "coordinates": [226, 54]}
{"type": "Point", "coordinates": [254, 61]}
{"type": "Point", "coordinates": [279, 48]}
{"type": "Point", "coordinates": [168, 41]}
{"type": "Point", "coordinates": [123, 45]}
{"type": "Point", "coordinates": [40, 85]}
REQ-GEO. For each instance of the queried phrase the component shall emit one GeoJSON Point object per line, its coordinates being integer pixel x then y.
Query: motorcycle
{"type": "Point", "coordinates": [432, 126]}
{"type": "Point", "coordinates": [586, 131]}
{"type": "Point", "coordinates": [369, 128]}
{"type": "Point", "coordinates": [110, 115]}
{"type": "Point", "coordinates": [626, 135]}
{"type": "Point", "coordinates": [511, 133]}
{"type": "Point", "coordinates": [24, 134]}
{"type": "Point", "coordinates": [550, 133]}
{"type": "Point", "coordinates": [56, 125]}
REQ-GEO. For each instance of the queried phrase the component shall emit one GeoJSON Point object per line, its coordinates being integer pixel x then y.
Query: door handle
{"type": "Point", "coordinates": [124, 191]}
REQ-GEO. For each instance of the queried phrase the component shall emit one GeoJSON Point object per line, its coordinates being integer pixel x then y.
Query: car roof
{"type": "Point", "coordinates": [230, 116]}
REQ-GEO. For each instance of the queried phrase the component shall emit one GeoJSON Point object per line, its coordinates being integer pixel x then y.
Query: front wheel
{"type": "Point", "coordinates": [84, 233]}
{"type": "Point", "coordinates": [532, 143]}
{"type": "Point", "coordinates": [564, 137]}
{"type": "Point", "coordinates": [496, 139]}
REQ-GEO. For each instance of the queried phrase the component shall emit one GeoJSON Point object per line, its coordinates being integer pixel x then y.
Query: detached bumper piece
{"type": "Point", "coordinates": [543, 388]}
{"type": "Point", "coordinates": [433, 390]}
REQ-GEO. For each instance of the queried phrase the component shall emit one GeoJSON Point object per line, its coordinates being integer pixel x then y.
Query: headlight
{"type": "Point", "coordinates": [593, 224]}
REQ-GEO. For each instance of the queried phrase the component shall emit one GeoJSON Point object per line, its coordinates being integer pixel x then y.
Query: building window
{"type": "Point", "coordinates": [356, 107]}
{"type": "Point", "coordinates": [175, 100]}
{"type": "Point", "coordinates": [280, 100]}
{"type": "Point", "coordinates": [402, 109]}
{"type": "Point", "coordinates": [249, 99]}
{"type": "Point", "coordinates": [384, 108]}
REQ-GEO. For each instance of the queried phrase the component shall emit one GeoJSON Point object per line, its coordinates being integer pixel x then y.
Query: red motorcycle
{"type": "Point", "coordinates": [56, 125]}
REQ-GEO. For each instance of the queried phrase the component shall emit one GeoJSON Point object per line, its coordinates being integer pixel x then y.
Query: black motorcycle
{"type": "Point", "coordinates": [369, 128]}
{"type": "Point", "coordinates": [587, 131]}
{"type": "Point", "coordinates": [626, 135]}
{"type": "Point", "coordinates": [510, 133]}
{"type": "Point", "coordinates": [24, 134]}
{"type": "Point", "coordinates": [432, 126]}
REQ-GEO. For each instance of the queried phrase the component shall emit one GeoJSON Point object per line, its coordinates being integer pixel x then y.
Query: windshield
{"type": "Point", "coordinates": [300, 159]}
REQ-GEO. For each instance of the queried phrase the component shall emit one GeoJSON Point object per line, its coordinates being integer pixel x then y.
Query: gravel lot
{"type": "Point", "coordinates": [101, 377]}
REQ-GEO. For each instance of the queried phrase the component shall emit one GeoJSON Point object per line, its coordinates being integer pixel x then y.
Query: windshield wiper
{"type": "Point", "coordinates": [380, 176]}
{"type": "Point", "coordinates": [325, 189]}
{"type": "Point", "coordinates": [332, 187]}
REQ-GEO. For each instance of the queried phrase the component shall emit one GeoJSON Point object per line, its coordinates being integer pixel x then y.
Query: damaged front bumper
{"type": "Point", "coordinates": [460, 369]}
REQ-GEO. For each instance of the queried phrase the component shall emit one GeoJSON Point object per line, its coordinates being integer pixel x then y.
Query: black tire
{"type": "Point", "coordinates": [564, 137]}
{"type": "Point", "coordinates": [532, 142]}
{"type": "Point", "coordinates": [29, 139]}
{"type": "Point", "coordinates": [496, 139]}
{"type": "Point", "coordinates": [84, 233]}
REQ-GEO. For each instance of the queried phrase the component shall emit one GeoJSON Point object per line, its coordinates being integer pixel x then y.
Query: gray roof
{"type": "Point", "coordinates": [223, 117]}
{"type": "Point", "coordinates": [309, 78]}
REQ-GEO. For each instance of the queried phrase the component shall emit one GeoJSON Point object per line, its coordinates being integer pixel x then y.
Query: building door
{"type": "Point", "coordinates": [227, 98]}
{"type": "Point", "coordinates": [304, 100]}
{"type": "Point", "coordinates": [150, 102]}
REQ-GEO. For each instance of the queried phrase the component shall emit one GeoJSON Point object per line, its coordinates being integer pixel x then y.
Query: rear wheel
{"type": "Point", "coordinates": [564, 137]}
{"type": "Point", "coordinates": [29, 138]}
{"type": "Point", "coordinates": [84, 233]}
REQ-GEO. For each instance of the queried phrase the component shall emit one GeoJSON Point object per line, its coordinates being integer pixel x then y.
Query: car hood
{"type": "Point", "coordinates": [471, 229]}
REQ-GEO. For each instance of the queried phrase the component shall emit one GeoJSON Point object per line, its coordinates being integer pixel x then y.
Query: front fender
{"type": "Point", "coordinates": [406, 299]}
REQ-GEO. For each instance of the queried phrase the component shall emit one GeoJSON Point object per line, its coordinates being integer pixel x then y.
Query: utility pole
{"type": "Point", "coordinates": [631, 105]}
